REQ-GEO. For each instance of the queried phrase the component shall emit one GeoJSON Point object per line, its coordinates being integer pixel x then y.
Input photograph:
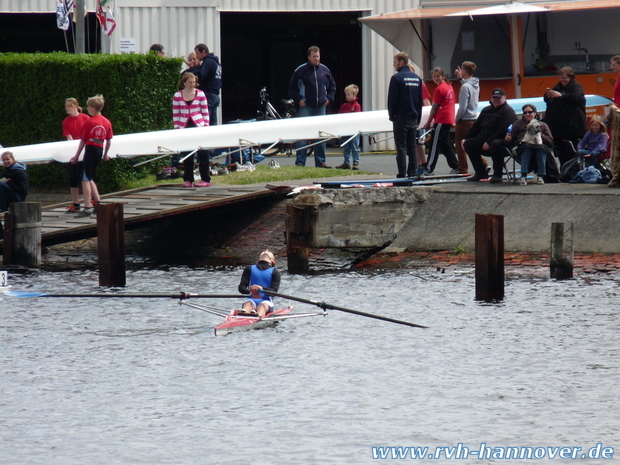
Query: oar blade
{"type": "Point", "coordinates": [24, 294]}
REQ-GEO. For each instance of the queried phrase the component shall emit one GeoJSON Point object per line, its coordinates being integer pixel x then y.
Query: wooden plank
{"type": "Point", "coordinates": [144, 205]}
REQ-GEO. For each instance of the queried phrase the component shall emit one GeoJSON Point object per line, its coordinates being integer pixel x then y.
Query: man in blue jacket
{"type": "Point", "coordinates": [313, 87]}
{"type": "Point", "coordinates": [210, 79]}
{"type": "Point", "coordinates": [405, 111]}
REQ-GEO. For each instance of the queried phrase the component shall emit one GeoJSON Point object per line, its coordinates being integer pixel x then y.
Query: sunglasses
{"type": "Point", "coordinates": [528, 112]}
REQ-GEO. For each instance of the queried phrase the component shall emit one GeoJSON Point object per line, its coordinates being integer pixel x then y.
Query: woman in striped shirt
{"type": "Point", "coordinates": [189, 110]}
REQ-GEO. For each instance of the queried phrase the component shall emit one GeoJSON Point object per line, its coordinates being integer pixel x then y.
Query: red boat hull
{"type": "Point", "coordinates": [235, 322]}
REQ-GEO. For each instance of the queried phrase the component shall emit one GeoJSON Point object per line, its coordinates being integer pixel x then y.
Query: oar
{"type": "Point", "coordinates": [180, 295]}
{"type": "Point", "coordinates": [325, 305]}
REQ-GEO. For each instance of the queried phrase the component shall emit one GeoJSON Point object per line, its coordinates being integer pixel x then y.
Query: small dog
{"type": "Point", "coordinates": [533, 134]}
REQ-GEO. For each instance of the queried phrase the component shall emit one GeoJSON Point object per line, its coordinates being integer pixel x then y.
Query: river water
{"type": "Point", "coordinates": [145, 381]}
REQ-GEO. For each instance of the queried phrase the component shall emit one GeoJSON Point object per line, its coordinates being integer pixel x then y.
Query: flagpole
{"type": "Point", "coordinates": [79, 26]}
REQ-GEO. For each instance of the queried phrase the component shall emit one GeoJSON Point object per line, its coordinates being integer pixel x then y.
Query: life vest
{"type": "Point", "coordinates": [261, 278]}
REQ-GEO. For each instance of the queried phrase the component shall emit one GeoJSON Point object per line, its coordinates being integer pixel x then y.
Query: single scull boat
{"type": "Point", "coordinates": [237, 320]}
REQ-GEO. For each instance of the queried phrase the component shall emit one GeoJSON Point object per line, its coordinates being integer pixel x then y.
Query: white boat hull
{"type": "Point", "coordinates": [258, 133]}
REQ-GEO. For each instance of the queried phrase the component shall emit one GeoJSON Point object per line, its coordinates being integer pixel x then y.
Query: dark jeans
{"type": "Point", "coordinates": [213, 101]}
{"type": "Point", "coordinates": [473, 147]}
{"type": "Point", "coordinates": [405, 140]}
{"type": "Point", "coordinates": [319, 149]}
{"type": "Point", "coordinates": [203, 166]}
{"type": "Point", "coordinates": [8, 196]}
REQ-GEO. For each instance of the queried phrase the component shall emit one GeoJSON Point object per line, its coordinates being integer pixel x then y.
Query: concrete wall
{"type": "Point", "coordinates": [428, 218]}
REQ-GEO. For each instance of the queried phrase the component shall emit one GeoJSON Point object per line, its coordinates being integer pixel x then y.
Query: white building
{"type": "Point", "coordinates": [261, 42]}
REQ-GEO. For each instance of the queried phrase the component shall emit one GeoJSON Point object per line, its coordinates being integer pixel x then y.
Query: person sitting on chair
{"type": "Point", "coordinates": [14, 186]}
{"type": "Point", "coordinates": [594, 143]}
{"type": "Point", "coordinates": [486, 137]}
{"type": "Point", "coordinates": [263, 275]}
{"type": "Point", "coordinates": [531, 137]}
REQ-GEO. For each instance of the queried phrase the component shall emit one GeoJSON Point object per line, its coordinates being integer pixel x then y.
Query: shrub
{"type": "Point", "coordinates": [137, 89]}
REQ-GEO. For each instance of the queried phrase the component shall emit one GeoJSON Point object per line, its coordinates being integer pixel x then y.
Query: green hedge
{"type": "Point", "coordinates": [137, 89]}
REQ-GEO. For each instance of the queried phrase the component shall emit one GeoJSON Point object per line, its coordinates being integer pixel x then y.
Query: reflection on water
{"type": "Point", "coordinates": [104, 381]}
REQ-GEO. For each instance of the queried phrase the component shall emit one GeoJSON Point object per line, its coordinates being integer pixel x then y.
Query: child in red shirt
{"type": "Point", "coordinates": [71, 128]}
{"type": "Point", "coordinates": [443, 116]}
{"type": "Point", "coordinates": [352, 148]}
{"type": "Point", "coordinates": [95, 137]}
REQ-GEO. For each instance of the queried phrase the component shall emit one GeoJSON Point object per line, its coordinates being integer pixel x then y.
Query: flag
{"type": "Point", "coordinates": [101, 15]}
{"type": "Point", "coordinates": [106, 17]}
{"type": "Point", "coordinates": [110, 22]}
{"type": "Point", "coordinates": [64, 9]}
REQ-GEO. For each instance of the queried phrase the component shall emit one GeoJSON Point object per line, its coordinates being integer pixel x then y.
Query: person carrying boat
{"type": "Point", "coordinates": [262, 275]}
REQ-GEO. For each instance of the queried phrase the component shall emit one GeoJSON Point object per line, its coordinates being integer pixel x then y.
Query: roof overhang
{"type": "Point", "coordinates": [508, 8]}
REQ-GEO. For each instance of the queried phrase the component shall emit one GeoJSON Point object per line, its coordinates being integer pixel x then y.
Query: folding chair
{"type": "Point", "coordinates": [511, 174]}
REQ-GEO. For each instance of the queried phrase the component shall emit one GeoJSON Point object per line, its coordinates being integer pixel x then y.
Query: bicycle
{"type": "Point", "coordinates": [268, 112]}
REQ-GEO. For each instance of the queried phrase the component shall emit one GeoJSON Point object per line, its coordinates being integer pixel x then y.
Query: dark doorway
{"type": "Point", "coordinates": [37, 32]}
{"type": "Point", "coordinates": [263, 49]}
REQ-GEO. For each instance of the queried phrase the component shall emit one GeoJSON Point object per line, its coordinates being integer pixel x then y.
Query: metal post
{"type": "Point", "coordinates": [489, 257]}
{"type": "Point", "coordinates": [80, 26]}
{"type": "Point", "coordinates": [111, 244]}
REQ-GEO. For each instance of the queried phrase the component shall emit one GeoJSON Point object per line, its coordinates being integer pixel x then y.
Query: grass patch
{"type": "Point", "coordinates": [262, 174]}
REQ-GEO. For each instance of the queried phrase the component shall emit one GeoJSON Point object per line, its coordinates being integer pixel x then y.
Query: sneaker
{"type": "Point", "coordinates": [523, 181]}
{"type": "Point", "coordinates": [496, 179]}
{"type": "Point", "coordinates": [420, 171]}
{"type": "Point", "coordinates": [455, 171]}
{"type": "Point", "coordinates": [356, 166]}
{"type": "Point", "coordinates": [540, 180]}
{"type": "Point", "coordinates": [488, 168]}
{"type": "Point", "coordinates": [344, 166]}
{"type": "Point", "coordinates": [324, 166]}
{"type": "Point", "coordinates": [87, 212]}
{"type": "Point", "coordinates": [274, 165]}
{"type": "Point", "coordinates": [477, 177]}
{"type": "Point", "coordinates": [72, 209]}
{"type": "Point", "coordinates": [300, 164]}
{"type": "Point", "coordinates": [202, 184]}
{"type": "Point", "coordinates": [187, 184]}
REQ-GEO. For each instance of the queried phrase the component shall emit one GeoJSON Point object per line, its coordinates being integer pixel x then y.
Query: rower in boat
{"type": "Point", "coordinates": [262, 275]}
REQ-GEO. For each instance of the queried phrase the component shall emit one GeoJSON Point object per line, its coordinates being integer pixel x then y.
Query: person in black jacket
{"type": "Point", "coordinates": [405, 111]}
{"type": "Point", "coordinates": [566, 114]}
{"type": "Point", "coordinates": [14, 186]}
{"type": "Point", "coordinates": [313, 87]}
{"type": "Point", "coordinates": [210, 79]}
{"type": "Point", "coordinates": [487, 137]}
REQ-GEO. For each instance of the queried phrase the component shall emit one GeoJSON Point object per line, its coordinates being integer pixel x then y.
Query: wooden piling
{"type": "Point", "coordinates": [561, 265]}
{"type": "Point", "coordinates": [111, 244]}
{"type": "Point", "coordinates": [300, 226]}
{"type": "Point", "coordinates": [489, 257]}
{"type": "Point", "coordinates": [22, 235]}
